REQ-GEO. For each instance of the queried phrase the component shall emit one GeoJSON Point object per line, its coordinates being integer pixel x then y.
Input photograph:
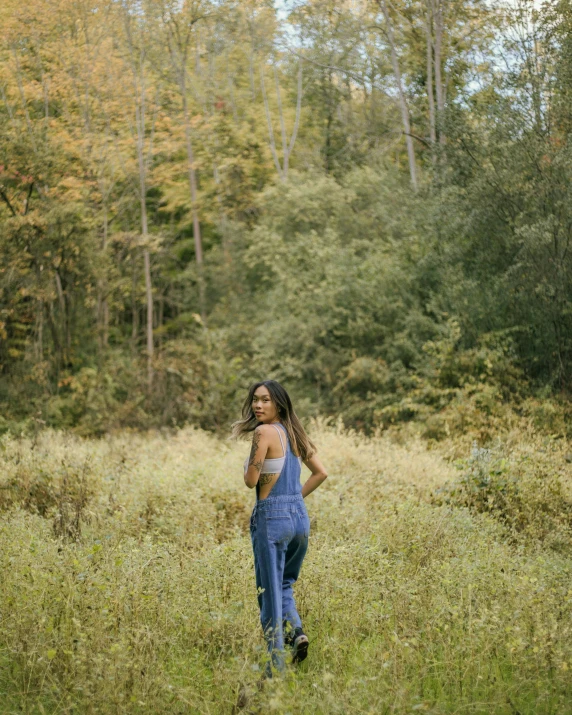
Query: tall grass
{"type": "Point", "coordinates": [128, 586]}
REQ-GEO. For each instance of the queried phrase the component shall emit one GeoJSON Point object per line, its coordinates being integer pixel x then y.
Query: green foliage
{"type": "Point", "coordinates": [447, 308]}
{"type": "Point", "coordinates": [524, 491]}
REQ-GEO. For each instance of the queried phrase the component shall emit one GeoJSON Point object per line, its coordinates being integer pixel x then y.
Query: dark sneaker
{"type": "Point", "coordinates": [299, 645]}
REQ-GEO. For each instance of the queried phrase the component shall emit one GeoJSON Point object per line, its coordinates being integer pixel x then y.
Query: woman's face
{"type": "Point", "coordinates": [262, 406]}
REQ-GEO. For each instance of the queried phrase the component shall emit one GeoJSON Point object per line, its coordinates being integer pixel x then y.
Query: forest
{"type": "Point", "coordinates": [369, 201]}
{"type": "Point", "coordinates": [366, 200]}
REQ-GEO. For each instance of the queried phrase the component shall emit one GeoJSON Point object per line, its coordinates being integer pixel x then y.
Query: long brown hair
{"type": "Point", "coordinates": [302, 445]}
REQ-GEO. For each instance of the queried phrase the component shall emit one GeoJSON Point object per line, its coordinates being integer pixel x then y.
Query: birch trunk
{"type": "Point", "coordinates": [430, 95]}
{"type": "Point", "coordinates": [138, 61]}
{"type": "Point", "coordinates": [193, 189]}
{"type": "Point", "coordinates": [102, 303]}
{"type": "Point", "coordinates": [146, 259]}
{"type": "Point", "coordinates": [105, 303]}
{"type": "Point", "coordinates": [179, 45]}
{"type": "Point", "coordinates": [251, 61]}
{"type": "Point", "coordinates": [140, 107]}
{"type": "Point", "coordinates": [287, 146]}
{"type": "Point", "coordinates": [269, 123]}
{"type": "Point", "coordinates": [134, 308]}
{"type": "Point", "coordinates": [439, 89]}
{"type": "Point", "coordinates": [402, 98]}
{"type": "Point", "coordinates": [191, 173]}
{"type": "Point", "coordinates": [296, 120]}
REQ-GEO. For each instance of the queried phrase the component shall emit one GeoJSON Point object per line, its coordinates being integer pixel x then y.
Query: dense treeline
{"type": "Point", "coordinates": [368, 200]}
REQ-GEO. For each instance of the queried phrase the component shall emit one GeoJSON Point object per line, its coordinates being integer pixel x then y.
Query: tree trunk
{"type": "Point", "coordinates": [149, 294]}
{"type": "Point", "coordinates": [193, 188]}
{"type": "Point", "coordinates": [134, 308]}
{"type": "Point", "coordinates": [251, 62]}
{"type": "Point", "coordinates": [296, 121]}
{"type": "Point", "coordinates": [402, 98]}
{"type": "Point", "coordinates": [179, 46]}
{"type": "Point", "coordinates": [147, 271]}
{"type": "Point", "coordinates": [40, 331]}
{"type": "Point", "coordinates": [440, 91]}
{"type": "Point", "coordinates": [160, 314]}
{"type": "Point", "coordinates": [329, 120]}
{"type": "Point", "coordinates": [192, 180]}
{"type": "Point", "coordinates": [270, 129]}
{"type": "Point", "coordinates": [282, 125]}
{"type": "Point", "coordinates": [102, 303]}
{"type": "Point", "coordinates": [56, 341]}
{"type": "Point", "coordinates": [287, 146]}
{"type": "Point", "coordinates": [198, 53]}
{"type": "Point", "coordinates": [137, 62]}
{"type": "Point", "coordinates": [230, 81]}
{"type": "Point", "coordinates": [430, 96]}
{"type": "Point", "coordinates": [63, 320]}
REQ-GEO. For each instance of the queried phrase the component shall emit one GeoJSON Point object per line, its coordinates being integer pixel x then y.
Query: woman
{"type": "Point", "coordinates": [279, 525]}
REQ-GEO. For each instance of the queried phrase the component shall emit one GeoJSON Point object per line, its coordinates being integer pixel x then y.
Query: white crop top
{"type": "Point", "coordinates": [272, 466]}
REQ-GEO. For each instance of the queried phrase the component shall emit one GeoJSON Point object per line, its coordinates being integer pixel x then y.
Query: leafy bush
{"type": "Point", "coordinates": [59, 492]}
{"type": "Point", "coordinates": [523, 491]}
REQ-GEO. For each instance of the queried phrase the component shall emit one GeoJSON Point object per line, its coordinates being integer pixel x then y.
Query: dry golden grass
{"type": "Point", "coordinates": [128, 582]}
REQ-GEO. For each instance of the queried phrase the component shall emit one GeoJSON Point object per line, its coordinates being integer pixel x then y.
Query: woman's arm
{"type": "Point", "coordinates": [318, 475]}
{"type": "Point", "coordinates": [260, 443]}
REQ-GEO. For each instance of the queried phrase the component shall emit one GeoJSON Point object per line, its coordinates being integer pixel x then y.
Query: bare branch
{"type": "Point", "coordinates": [419, 139]}
{"type": "Point", "coordinates": [359, 79]}
{"type": "Point", "coordinates": [7, 201]}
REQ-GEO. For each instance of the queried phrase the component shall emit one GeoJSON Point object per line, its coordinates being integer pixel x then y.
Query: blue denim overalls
{"type": "Point", "coordinates": [279, 529]}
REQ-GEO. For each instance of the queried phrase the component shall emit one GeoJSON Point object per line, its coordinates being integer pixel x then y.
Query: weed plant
{"type": "Point", "coordinates": [128, 582]}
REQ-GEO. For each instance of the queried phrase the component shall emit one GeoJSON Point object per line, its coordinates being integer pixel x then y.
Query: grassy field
{"type": "Point", "coordinates": [431, 584]}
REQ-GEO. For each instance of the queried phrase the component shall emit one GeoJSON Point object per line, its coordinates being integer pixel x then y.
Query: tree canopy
{"type": "Point", "coordinates": [369, 201]}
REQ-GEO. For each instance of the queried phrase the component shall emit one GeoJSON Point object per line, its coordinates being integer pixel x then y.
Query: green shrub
{"type": "Point", "coordinates": [523, 491]}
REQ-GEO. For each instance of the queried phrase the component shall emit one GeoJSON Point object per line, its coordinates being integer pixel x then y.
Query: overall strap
{"type": "Point", "coordinates": [280, 435]}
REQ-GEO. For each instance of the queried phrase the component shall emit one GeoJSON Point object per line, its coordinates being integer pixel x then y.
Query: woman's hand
{"type": "Point", "coordinates": [318, 475]}
{"type": "Point", "coordinates": [260, 444]}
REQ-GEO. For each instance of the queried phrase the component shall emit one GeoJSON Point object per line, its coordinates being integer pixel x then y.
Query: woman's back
{"type": "Point", "coordinates": [279, 524]}
{"type": "Point", "coordinates": [280, 466]}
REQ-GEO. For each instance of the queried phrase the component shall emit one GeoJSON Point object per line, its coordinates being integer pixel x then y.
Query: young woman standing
{"type": "Point", "coordinates": [279, 525]}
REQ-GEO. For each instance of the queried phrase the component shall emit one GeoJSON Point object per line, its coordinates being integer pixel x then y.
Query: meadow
{"type": "Point", "coordinates": [128, 581]}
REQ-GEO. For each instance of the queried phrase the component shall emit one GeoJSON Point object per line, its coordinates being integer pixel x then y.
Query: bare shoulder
{"type": "Point", "coordinates": [267, 433]}
{"type": "Point", "coordinates": [265, 430]}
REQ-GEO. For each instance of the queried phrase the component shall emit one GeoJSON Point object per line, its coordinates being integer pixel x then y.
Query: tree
{"type": "Point", "coordinates": [137, 50]}
{"type": "Point", "coordinates": [179, 23]}
{"type": "Point", "coordinates": [401, 92]}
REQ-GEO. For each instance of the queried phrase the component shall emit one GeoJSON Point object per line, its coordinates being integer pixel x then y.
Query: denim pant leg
{"type": "Point", "coordinates": [294, 556]}
{"type": "Point", "coordinates": [269, 560]}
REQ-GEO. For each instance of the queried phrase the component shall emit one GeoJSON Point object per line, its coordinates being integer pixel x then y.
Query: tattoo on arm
{"type": "Point", "coordinates": [253, 450]}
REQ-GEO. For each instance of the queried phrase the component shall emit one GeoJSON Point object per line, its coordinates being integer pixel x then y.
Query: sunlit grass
{"type": "Point", "coordinates": [128, 584]}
